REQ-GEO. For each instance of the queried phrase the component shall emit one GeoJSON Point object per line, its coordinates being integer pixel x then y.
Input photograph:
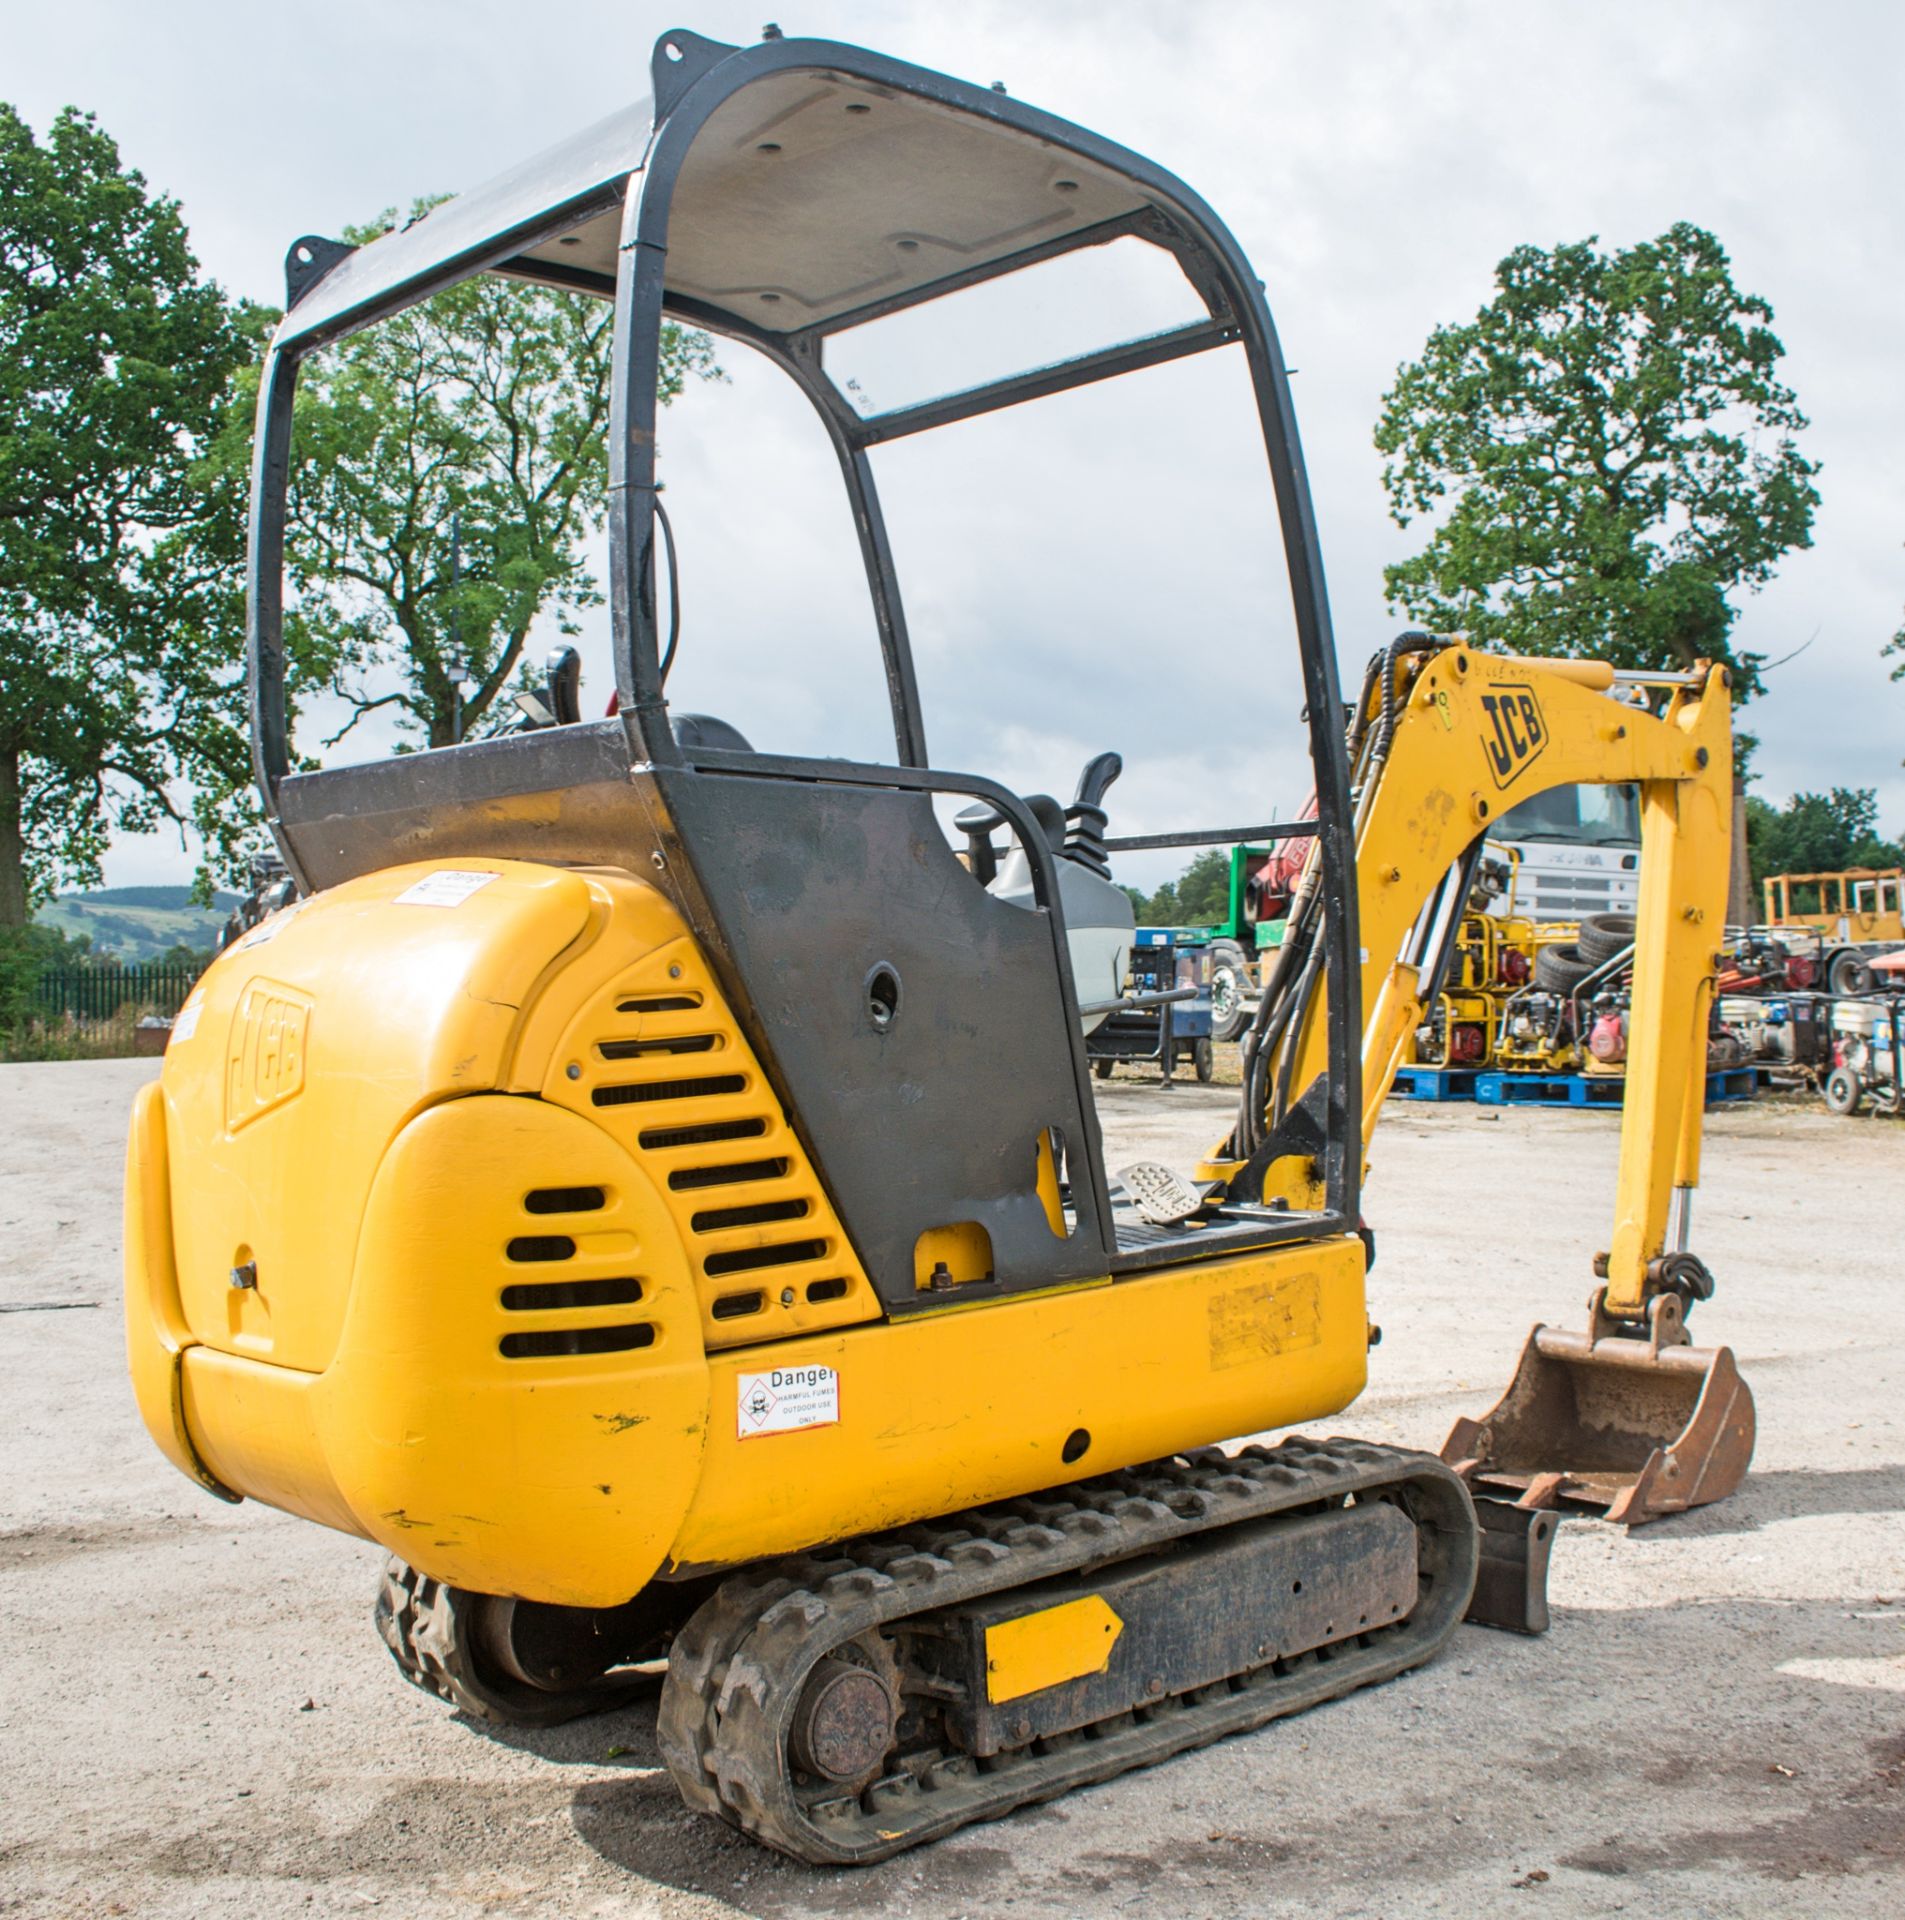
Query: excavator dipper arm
{"type": "Point", "coordinates": [1445, 740]}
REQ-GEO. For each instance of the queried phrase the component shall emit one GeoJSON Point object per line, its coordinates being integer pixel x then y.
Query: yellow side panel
{"type": "Point", "coordinates": [516, 1425]}
{"type": "Point", "coordinates": [156, 1333]}
{"type": "Point", "coordinates": [302, 1054]}
{"type": "Point", "coordinates": [941, 1411]}
{"type": "Point", "coordinates": [638, 1037]}
{"type": "Point", "coordinates": [1049, 1647]}
{"type": "Point", "coordinates": [255, 1426]}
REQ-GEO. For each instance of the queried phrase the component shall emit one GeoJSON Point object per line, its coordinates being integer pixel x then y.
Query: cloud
{"type": "Point", "coordinates": [1098, 570]}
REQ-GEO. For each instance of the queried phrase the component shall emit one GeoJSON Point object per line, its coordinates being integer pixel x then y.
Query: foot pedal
{"type": "Point", "coordinates": [1164, 1198]}
{"type": "Point", "coordinates": [1511, 1583]}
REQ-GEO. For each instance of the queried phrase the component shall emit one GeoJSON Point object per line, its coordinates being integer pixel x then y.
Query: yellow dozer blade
{"type": "Point", "coordinates": [1640, 1427]}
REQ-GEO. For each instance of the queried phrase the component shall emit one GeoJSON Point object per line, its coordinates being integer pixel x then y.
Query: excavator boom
{"type": "Point", "coordinates": [1445, 739]}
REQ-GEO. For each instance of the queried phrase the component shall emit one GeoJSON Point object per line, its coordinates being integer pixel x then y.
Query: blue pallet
{"type": "Point", "coordinates": [1736, 1083]}
{"type": "Point", "coordinates": [1594, 1090]}
{"type": "Point", "coordinates": [1434, 1083]}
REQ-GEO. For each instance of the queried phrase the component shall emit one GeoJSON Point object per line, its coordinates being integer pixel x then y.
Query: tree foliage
{"type": "Point", "coordinates": [114, 354]}
{"type": "Point", "coordinates": [1199, 896]}
{"type": "Point", "coordinates": [1607, 452]}
{"type": "Point", "coordinates": [482, 411]}
{"type": "Point", "coordinates": [1818, 833]}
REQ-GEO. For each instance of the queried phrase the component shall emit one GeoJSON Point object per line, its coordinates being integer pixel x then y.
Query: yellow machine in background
{"type": "Point", "coordinates": [1853, 903]}
{"type": "Point", "coordinates": [652, 1186]}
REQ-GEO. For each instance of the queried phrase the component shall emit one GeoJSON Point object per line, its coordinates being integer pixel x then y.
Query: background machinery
{"type": "Point", "coordinates": [604, 1187]}
{"type": "Point", "coordinates": [1852, 916]}
{"type": "Point", "coordinates": [1256, 901]}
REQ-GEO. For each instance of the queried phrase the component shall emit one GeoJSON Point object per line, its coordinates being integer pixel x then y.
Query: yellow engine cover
{"type": "Point", "coordinates": [463, 1218]}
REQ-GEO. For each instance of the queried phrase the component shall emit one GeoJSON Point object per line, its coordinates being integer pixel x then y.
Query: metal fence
{"type": "Point", "coordinates": [90, 994]}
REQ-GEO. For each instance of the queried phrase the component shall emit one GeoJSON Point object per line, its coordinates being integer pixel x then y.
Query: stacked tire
{"type": "Point", "coordinates": [1561, 968]}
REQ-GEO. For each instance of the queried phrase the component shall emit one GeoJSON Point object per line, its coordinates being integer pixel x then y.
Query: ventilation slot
{"type": "Point", "coordinates": [638, 1049]}
{"type": "Point", "coordinates": [655, 1139]}
{"type": "Point", "coordinates": [749, 1259]}
{"type": "Point", "coordinates": [685, 1179]}
{"type": "Point", "coordinates": [669, 1089]}
{"type": "Point", "coordinates": [661, 1003]}
{"type": "Point", "coordinates": [565, 1200]}
{"type": "Point", "coordinates": [569, 1341]}
{"type": "Point", "coordinates": [826, 1289]}
{"type": "Point", "coordinates": [529, 1296]}
{"type": "Point", "coordinates": [757, 1215]}
{"type": "Point", "coordinates": [542, 1246]}
{"type": "Point", "coordinates": [735, 1306]}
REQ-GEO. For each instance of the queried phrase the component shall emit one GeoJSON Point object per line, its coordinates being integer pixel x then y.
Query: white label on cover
{"type": "Point", "coordinates": [447, 887]}
{"type": "Point", "coordinates": [269, 929]}
{"type": "Point", "coordinates": [186, 1024]}
{"type": "Point", "coordinates": [786, 1400]}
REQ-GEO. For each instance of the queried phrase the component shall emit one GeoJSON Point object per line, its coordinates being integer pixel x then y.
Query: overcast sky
{"type": "Point", "coordinates": [1097, 570]}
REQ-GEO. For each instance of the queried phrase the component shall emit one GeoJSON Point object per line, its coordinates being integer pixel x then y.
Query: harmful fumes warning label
{"type": "Point", "coordinates": [786, 1400]}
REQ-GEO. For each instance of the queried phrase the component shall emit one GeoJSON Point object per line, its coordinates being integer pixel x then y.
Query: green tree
{"type": "Point", "coordinates": [25, 955]}
{"type": "Point", "coordinates": [1198, 896]}
{"type": "Point", "coordinates": [114, 354]}
{"type": "Point", "coordinates": [482, 412]}
{"type": "Point", "coordinates": [1818, 833]}
{"type": "Point", "coordinates": [1203, 890]}
{"type": "Point", "coordinates": [1607, 452]}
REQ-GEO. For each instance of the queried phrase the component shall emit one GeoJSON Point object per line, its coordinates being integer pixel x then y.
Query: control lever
{"type": "Point", "coordinates": [976, 822]}
{"type": "Point", "coordinates": [1085, 817]}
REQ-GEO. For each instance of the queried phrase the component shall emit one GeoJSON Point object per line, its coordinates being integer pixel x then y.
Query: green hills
{"type": "Point", "coordinates": [137, 924]}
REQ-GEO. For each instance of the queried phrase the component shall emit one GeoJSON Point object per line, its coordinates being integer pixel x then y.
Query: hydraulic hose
{"type": "Point", "coordinates": [1276, 1032]}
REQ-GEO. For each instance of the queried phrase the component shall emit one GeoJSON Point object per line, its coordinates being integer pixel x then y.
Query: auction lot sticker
{"type": "Point", "coordinates": [786, 1400]}
{"type": "Point", "coordinates": [447, 887]}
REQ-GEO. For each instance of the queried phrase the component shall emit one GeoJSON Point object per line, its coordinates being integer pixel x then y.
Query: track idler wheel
{"type": "Point", "coordinates": [848, 1716]}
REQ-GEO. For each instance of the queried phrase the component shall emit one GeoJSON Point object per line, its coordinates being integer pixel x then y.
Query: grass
{"type": "Point", "coordinates": [70, 1039]}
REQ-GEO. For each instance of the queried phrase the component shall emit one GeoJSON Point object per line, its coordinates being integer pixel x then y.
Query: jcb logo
{"type": "Point", "coordinates": [264, 1063]}
{"type": "Point", "coordinates": [1517, 732]}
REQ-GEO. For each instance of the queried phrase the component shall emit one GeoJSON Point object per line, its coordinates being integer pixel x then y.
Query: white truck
{"type": "Point", "coordinates": [1575, 852]}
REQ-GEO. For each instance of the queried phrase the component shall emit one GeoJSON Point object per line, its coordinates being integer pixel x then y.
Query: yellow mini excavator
{"type": "Point", "coordinates": [652, 1187]}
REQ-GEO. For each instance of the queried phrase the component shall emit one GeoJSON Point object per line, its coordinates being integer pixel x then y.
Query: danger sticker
{"type": "Point", "coordinates": [447, 887]}
{"type": "Point", "coordinates": [786, 1400]}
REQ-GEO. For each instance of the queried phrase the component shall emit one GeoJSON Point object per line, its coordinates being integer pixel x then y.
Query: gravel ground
{"type": "Point", "coordinates": [197, 1719]}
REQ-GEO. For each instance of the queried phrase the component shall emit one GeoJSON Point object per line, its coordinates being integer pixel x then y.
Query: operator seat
{"type": "Point", "coordinates": [1099, 918]}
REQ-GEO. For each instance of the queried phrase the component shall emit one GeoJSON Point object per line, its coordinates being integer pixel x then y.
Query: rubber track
{"type": "Point", "coordinates": [427, 1626]}
{"type": "Point", "coordinates": [737, 1669]}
